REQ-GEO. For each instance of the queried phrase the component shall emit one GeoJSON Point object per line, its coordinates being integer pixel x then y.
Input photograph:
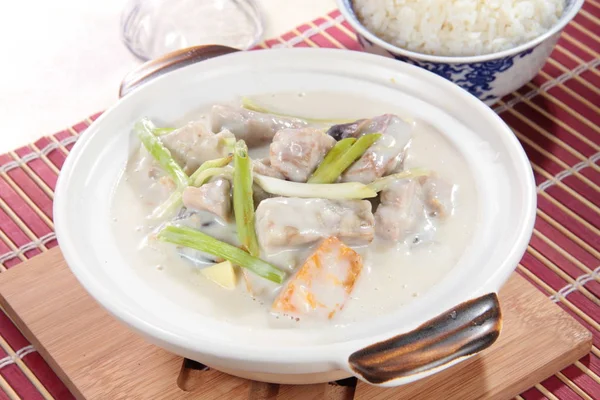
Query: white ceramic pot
{"type": "Point", "coordinates": [454, 320]}
{"type": "Point", "coordinates": [488, 77]}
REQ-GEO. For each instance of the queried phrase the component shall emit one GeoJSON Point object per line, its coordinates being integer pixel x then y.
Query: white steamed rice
{"type": "Point", "coordinates": [458, 27]}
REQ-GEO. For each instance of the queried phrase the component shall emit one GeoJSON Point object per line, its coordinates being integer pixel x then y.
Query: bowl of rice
{"type": "Point", "coordinates": [488, 47]}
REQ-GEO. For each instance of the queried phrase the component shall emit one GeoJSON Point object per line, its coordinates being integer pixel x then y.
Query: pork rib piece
{"type": "Point", "coordinates": [253, 127]}
{"type": "Point", "coordinates": [384, 156]}
{"type": "Point", "coordinates": [296, 153]}
{"type": "Point", "coordinates": [193, 144]}
{"type": "Point", "coordinates": [292, 221]}
{"type": "Point", "coordinates": [214, 197]}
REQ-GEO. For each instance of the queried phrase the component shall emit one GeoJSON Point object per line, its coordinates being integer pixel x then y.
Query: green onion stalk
{"type": "Point", "coordinates": [347, 190]}
{"type": "Point", "coordinates": [341, 160]}
{"type": "Point", "coordinates": [210, 168]}
{"type": "Point", "coordinates": [188, 237]}
{"type": "Point", "coordinates": [243, 201]}
{"type": "Point", "coordinates": [160, 153]}
{"type": "Point", "coordinates": [332, 155]}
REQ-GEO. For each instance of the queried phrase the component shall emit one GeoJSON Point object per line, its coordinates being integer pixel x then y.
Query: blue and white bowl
{"type": "Point", "coordinates": [488, 77]}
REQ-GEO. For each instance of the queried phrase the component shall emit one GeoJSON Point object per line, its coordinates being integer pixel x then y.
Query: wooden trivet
{"type": "Point", "coordinates": [98, 358]}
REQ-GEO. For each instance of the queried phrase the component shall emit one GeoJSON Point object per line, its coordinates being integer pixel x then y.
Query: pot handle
{"type": "Point", "coordinates": [440, 342]}
{"type": "Point", "coordinates": [170, 62]}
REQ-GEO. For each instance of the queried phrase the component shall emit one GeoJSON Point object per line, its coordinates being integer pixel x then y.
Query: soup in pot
{"type": "Point", "coordinates": [265, 213]}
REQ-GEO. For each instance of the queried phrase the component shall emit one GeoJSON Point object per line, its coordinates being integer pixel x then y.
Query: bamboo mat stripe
{"type": "Point", "coordinates": [556, 117]}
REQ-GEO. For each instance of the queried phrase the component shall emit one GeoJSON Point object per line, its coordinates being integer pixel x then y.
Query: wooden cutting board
{"type": "Point", "coordinates": [98, 358]}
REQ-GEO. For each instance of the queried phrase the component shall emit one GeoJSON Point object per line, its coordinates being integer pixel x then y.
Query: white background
{"type": "Point", "coordinates": [63, 60]}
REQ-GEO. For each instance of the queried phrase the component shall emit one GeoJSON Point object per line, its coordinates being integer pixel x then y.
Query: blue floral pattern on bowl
{"type": "Point", "coordinates": [476, 78]}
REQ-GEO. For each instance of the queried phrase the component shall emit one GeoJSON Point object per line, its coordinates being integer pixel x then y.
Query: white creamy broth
{"type": "Point", "coordinates": [393, 274]}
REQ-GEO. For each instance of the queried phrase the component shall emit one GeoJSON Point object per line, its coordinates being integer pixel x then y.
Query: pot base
{"type": "Point", "coordinates": [299, 379]}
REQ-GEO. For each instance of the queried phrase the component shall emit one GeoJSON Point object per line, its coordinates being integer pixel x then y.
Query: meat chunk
{"type": "Point", "coordinates": [263, 167]}
{"type": "Point", "coordinates": [323, 284]}
{"type": "Point", "coordinates": [409, 209]}
{"type": "Point", "coordinates": [253, 127]}
{"type": "Point", "coordinates": [213, 197]}
{"type": "Point", "coordinates": [296, 153]}
{"type": "Point", "coordinates": [384, 156]}
{"type": "Point", "coordinates": [438, 196]}
{"type": "Point", "coordinates": [193, 144]}
{"type": "Point", "coordinates": [401, 212]}
{"type": "Point", "coordinates": [294, 221]}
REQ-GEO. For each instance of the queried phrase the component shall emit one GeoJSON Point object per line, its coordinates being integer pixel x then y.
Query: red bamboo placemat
{"type": "Point", "coordinates": [556, 117]}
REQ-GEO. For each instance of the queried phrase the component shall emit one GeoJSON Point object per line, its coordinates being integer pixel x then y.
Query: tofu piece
{"type": "Point", "coordinates": [223, 274]}
{"type": "Point", "coordinates": [323, 284]}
